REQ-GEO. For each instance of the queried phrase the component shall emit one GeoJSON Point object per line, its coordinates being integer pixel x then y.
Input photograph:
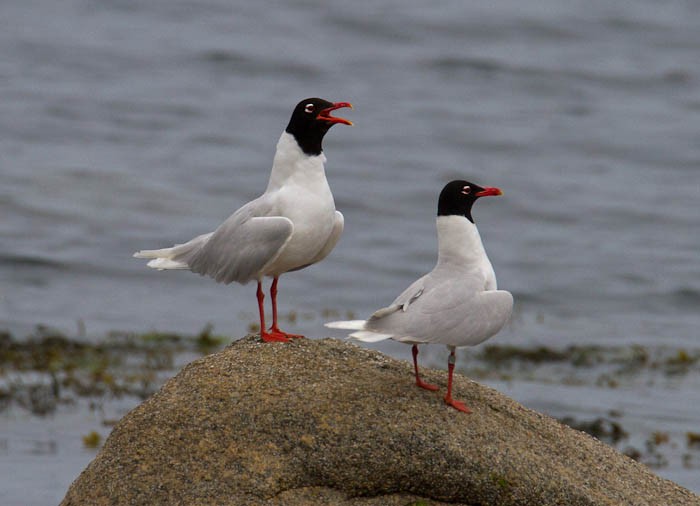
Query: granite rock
{"type": "Point", "coordinates": [315, 422]}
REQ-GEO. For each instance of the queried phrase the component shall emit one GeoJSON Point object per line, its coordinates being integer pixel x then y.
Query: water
{"type": "Point", "coordinates": [127, 125]}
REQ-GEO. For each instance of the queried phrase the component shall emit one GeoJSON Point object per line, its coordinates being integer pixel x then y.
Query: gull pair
{"type": "Point", "coordinates": [294, 224]}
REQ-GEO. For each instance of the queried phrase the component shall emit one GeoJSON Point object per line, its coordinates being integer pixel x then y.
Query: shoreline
{"type": "Point", "coordinates": [51, 376]}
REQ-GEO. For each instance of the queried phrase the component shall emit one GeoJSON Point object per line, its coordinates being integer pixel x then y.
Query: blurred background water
{"type": "Point", "coordinates": [127, 125]}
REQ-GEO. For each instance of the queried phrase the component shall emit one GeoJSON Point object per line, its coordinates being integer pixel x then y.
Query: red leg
{"type": "Point", "coordinates": [419, 381]}
{"type": "Point", "coordinates": [448, 397]}
{"type": "Point", "coordinates": [275, 330]}
{"type": "Point", "coordinates": [264, 335]}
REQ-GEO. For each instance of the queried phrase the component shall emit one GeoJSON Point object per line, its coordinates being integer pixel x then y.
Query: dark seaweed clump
{"type": "Point", "coordinates": [48, 368]}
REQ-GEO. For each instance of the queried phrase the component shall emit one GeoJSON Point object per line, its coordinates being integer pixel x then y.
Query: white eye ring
{"type": "Point", "coordinates": [309, 108]}
{"type": "Point", "coordinates": [466, 190]}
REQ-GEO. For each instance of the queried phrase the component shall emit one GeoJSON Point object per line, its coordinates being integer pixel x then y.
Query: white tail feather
{"type": "Point", "coordinates": [154, 253]}
{"type": "Point", "coordinates": [161, 259]}
{"type": "Point", "coordinates": [347, 325]}
{"type": "Point", "coordinates": [175, 257]}
{"type": "Point", "coordinates": [362, 334]}
{"type": "Point", "coordinates": [166, 263]}
{"type": "Point", "coordinates": [370, 337]}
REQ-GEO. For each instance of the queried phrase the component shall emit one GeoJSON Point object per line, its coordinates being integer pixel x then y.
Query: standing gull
{"type": "Point", "coordinates": [292, 225]}
{"type": "Point", "coordinates": [457, 303]}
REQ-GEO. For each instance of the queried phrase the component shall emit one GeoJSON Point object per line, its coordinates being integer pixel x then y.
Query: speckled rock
{"type": "Point", "coordinates": [324, 422]}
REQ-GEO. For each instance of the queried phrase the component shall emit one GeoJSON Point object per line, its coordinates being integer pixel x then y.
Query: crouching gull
{"type": "Point", "coordinates": [457, 303]}
{"type": "Point", "coordinates": [292, 225]}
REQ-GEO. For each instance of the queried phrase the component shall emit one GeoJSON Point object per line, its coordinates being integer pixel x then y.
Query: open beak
{"type": "Point", "coordinates": [488, 192]}
{"type": "Point", "coordinates": [325, 114]}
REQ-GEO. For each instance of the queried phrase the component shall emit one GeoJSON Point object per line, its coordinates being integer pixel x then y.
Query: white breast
{"type": "Point", "coordinates": [301, 193]}
{"type": "Point", "coordinates": [460, 246]}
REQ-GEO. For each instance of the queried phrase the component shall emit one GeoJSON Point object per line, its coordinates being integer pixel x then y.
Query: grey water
{"type": "Point", "coordinates": [127, 125]}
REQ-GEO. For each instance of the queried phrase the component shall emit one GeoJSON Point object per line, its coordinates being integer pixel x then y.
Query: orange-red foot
{"type": "Point", "coordinates": [427, 386]}
{"type": "Point", "coordinates": [271, 337]}
{"type": "Point", "coordinates": [277, 332]}
{"type": "Point", "coordinates": [460, 406]}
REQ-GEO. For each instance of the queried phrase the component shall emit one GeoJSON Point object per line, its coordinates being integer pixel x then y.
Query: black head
{"type": "Point", "coordinates": [458, 197]}
{"type": "Point", "coordinates": [311, 120]}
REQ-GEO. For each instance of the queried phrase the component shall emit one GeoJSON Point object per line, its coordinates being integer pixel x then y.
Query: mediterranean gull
{"type": "Point", "coordinates": [292, 225]}
{"type": "Point", "coordinates": [457, 303]}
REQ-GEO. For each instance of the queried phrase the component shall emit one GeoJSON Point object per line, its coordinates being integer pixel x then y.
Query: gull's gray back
{"type": "Point", "coordinates": [447, 307]}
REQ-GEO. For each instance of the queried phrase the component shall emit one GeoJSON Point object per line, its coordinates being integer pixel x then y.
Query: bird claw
{"type": "Point", "coordinates": [272, 337]}
{"type": "Point", "coordinates": [460, 406]}
{"type": "Point", "coordinates": [274, 331]}
{"type": "Point", "coordinates": [427, 386]}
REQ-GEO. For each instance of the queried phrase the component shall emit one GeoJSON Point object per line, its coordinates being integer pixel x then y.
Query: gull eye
{"type": "Point", "coordinates": [466, 190]}
{"type": "Point", "coordinates": [309, 108]}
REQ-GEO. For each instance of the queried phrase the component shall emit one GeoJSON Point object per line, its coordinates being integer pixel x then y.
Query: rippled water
{"type": "Point", "coordinates": [128, 125]}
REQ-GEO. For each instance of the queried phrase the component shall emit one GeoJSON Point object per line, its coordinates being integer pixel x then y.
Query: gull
{"type": "Point", "coordinates": [457, 303]}
{"type": "Point", "coordinates": [292, 225]}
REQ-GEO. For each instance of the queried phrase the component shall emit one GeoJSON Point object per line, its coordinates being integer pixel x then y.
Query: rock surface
{"type": "Point", "coordinates": [324, 422]}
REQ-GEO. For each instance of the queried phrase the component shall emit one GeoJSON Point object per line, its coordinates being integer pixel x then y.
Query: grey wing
{"type": "Point", "coordinates": [333, 238]}
{"type": "Point", "coordinates": [242, 246]}
{"type": "Point", "coordinates": [449, 312]}
{"type": "Point", "coordinates": [457, 319]}
{"type": "Point", "coordinates": [411, 294]}
{"type": "Point", "coordinates": [402, 302]}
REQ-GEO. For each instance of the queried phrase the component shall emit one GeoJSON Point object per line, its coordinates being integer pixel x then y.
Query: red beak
{"type": "Point", "coordinates": [489, 191]}
{"type": "Point", "coordinates": [325, 114]}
